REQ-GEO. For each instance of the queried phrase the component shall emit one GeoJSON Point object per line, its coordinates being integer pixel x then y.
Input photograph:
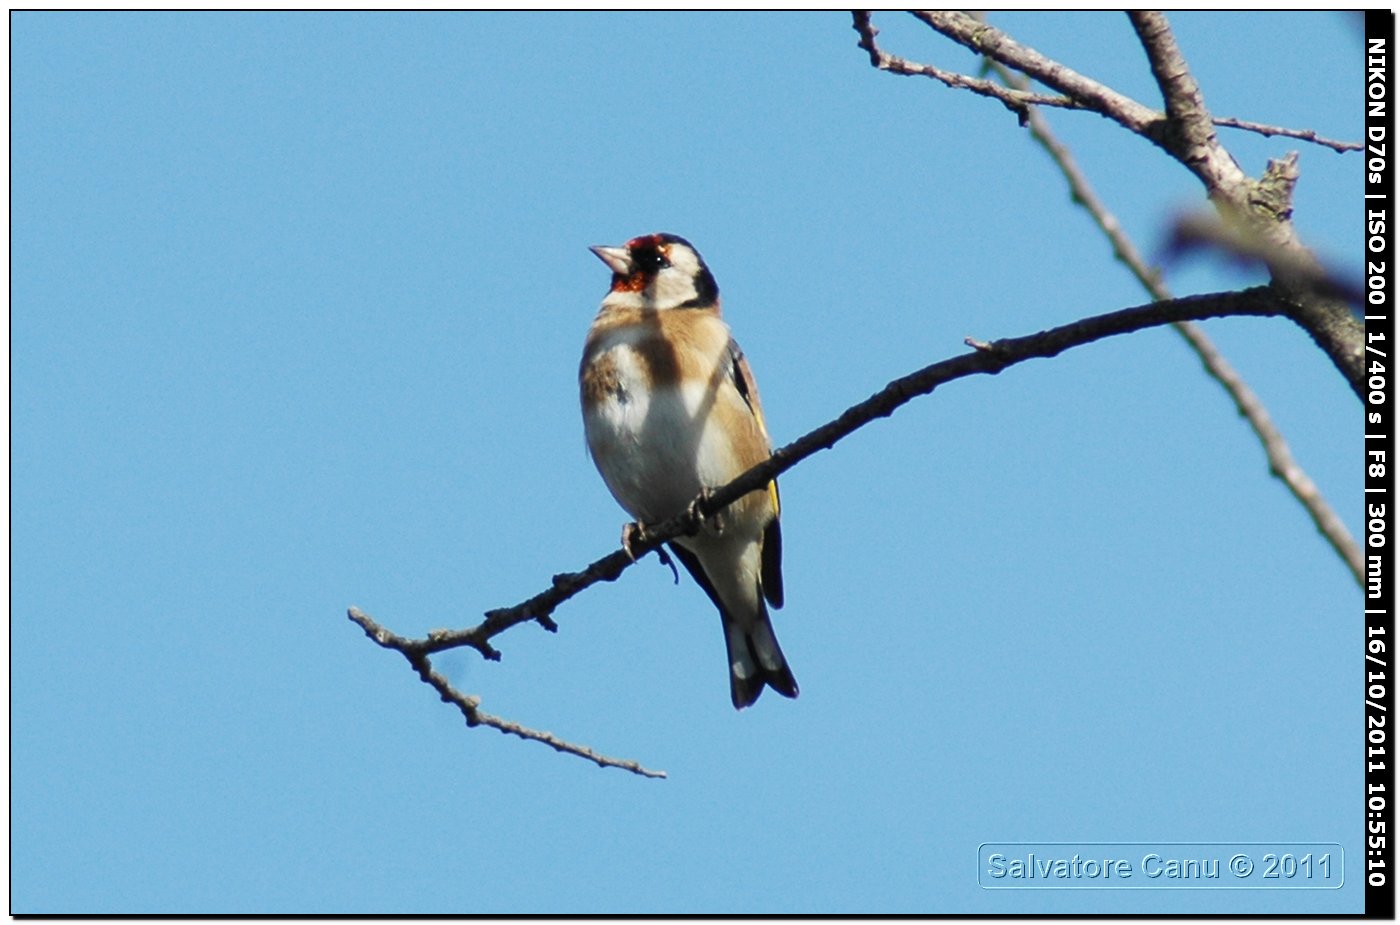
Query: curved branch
{"type": "Point", "coordinates": [986, 358]}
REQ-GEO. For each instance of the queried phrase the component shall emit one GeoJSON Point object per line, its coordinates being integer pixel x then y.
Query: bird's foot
{"type": "Point", "coordinates": [631, 535]}
{"type": "Point", "coordinates": [696, 511]}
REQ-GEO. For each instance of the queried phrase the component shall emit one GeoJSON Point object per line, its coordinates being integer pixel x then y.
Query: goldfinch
{"type": "Point", "coordinates": [670, 408]}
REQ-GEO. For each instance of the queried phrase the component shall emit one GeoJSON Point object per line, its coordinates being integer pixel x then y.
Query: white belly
{"type": "Point", "coordinates": [656, 448]}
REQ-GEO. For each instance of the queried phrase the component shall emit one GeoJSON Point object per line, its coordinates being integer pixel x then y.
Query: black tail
{"type": "Point", "coordinates": [744, 691]}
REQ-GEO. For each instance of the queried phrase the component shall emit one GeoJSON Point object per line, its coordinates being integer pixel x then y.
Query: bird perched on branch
{"type": "Point", "coordinates": [671, 410]}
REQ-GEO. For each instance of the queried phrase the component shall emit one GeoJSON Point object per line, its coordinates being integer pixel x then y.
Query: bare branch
{"type": "Point", "coordinates": [1191, 136]}
{"type": "Point", "coordinates": [1089, 94]}
{"type": "Point", "coordinates": [1280, 458]}
{"type": "Point", "coordinates": [1301, 134]}
{"type": "Point", "coordinates": [1017, 100]}
{"type": "Point", "coordinates": [568, 748]}
{"type": "Point", "coordinates": [991, 359]}
{"type": "Point", "coordinates": [1018, 96]}
{"type": "Point", "coordinates": [1281, 461]}
{"type": "Point", "coordinates": [1083, 194]}
{"type": "Point", "coordinates": [471, 705]}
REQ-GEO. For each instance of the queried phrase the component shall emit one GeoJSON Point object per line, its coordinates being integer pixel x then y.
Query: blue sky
{"type": "Point", "coordinates": [297, 304]}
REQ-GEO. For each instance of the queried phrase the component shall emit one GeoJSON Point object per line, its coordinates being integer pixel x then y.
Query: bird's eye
{"type": "Point", "coordinates": [653, 260]}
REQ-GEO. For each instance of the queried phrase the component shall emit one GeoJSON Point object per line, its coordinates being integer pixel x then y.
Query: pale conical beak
{"type": "Point", "coordinates": [617, 258]}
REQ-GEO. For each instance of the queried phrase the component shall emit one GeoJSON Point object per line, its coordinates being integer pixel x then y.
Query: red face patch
{"type": "Point", "coordinates": [649, 252]}
{"type": "Point", "coordinates": [634, 283]}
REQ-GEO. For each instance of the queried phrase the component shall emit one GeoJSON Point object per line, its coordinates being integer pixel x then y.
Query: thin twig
{"type": "Point", "coordinates": [1281, 461]}
{"type": "Point", "coordinates": [470, 705]}
{"type": "Point", "coordinates": [1017, 100]}
{"type": "Point", "coordinates": [1305, 134]}
{"type": "Point", "coordinates": [1276, 450]}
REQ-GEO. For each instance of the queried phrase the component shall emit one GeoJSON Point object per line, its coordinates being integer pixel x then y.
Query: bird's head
{"type": "Point", "coordinates": [658, 271]}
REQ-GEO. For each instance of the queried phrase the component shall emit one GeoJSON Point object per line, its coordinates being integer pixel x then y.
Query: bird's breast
{"type": "Point", "coordinates": [648, 409]}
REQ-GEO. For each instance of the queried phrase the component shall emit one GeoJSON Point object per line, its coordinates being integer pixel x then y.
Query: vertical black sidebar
{"type": "Point", "coordinates": [1380, 415]}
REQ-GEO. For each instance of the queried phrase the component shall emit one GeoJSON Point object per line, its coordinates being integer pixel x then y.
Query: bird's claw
{"type": "Point", "coordinates": [631, 534]}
